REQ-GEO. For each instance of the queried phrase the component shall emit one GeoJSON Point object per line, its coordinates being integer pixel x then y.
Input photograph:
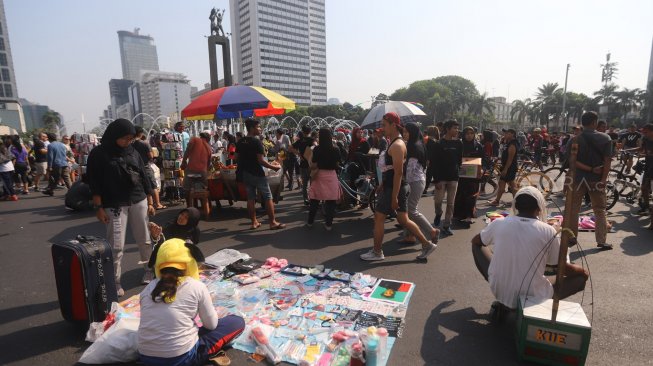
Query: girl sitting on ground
{"type": "Point", "coordinates": [167, 334]}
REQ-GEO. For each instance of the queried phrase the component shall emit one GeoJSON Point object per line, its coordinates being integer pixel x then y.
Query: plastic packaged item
{"type": "Point", "coordinates": [357, 355]}
{"type": "Point", "coordinates": [371, 351]}
{"type": "Point", "coordinates": [382, 333]}
{"type": "Point", "coordinates": [263, 343]}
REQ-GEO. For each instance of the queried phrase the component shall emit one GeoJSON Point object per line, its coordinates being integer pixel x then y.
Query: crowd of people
{"type": "Point", "coordinates": [123, 178]}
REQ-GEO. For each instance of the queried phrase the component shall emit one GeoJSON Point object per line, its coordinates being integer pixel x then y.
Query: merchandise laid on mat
{"type": "Point", "coordinates": [312, 315]}
{"type": "Point", "coordinates": [585, 223]}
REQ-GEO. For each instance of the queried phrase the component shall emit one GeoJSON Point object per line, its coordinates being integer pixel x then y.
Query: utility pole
{"type": "Point", "coordinates": [564, 101]}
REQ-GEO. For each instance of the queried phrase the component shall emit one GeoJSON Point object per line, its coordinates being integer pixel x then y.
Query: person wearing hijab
{"type": "Point", "coordinates": [522, 246]}
{"type": "Point", "coordinates": [416, 179]}
{"type": "Point", "coordinates": [167, 334]}
{"type": "Point", "coordinates": [184, 226]}
{"type": "Point", "coordinates": [464, 208]}
{"type": "Point", "coordinates": [122, 193]}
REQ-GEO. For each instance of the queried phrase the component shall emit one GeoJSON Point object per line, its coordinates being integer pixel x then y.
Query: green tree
{"type": "Point", "coordinates": [522, 109]}
{"type": "Point", "coordinates": [627, 99]}
{"type": "Point", "coordinates": [51, 121]}
{"type": "Point", "coordinates": [548, 97]}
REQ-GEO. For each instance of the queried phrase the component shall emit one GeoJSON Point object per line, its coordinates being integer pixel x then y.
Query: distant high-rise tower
{"type": "Point", "coordinates": [137, 53]}
{"type": "Point", "coordinates": [11, 113]}
{"type": "Point", "coordinates": [650, 67]}
{"type": "Point", "coordinates": [281, 45]}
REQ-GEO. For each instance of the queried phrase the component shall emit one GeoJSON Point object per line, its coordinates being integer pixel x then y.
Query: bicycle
{"type": "Point", "coordinates": [558, 176]}
{"type": "Point", "coordinates": [525, 177]}
{"type": "Point", "coordinates": [364, 190]}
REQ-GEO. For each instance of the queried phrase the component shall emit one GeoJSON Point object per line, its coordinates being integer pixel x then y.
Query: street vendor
{"type": "Point", "coordinates": [522, 247]}
{"type": "Point", "coordinates": [167, 334]}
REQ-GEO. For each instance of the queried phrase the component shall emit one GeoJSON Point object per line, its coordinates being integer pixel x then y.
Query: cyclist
{"type": "Point", "coordinates": [647, 150]}
{"type": "Point", "coordinates": [631, 140]}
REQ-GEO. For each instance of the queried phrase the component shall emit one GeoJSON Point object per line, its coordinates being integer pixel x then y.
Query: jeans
{"type": "Point", "coordinates": [596, 191]}
{"type": "Point", "coordinates": [571, 285]}
{"type": "Point", "coordinates": [57, 173]}
{"type": "Point", "coordinates": [252, 183]}
{"type": "Point", "coordinates": [306, 177]}
{"type": "Point", "coordinates": [448, 187]}
{"type": "Point", "coordinates": [329, 211]}
{"type": "Point", "coordinates": [416, 189]}
{"type": "Point", "coordinates": [210, 342]}
{"type": "Point", "coordinates": [136, 216]}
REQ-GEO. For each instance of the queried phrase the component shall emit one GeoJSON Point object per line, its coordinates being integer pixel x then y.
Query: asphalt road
{"type": "Point", "coordinates": [447, 318]}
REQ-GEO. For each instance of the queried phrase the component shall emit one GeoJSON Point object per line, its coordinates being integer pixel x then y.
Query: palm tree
{"type": "Point", "coordinates": [627, 100]}
{"type": "Point", "coordinates": [521, 108]}
{"type": "Point", "coordinates": [51, 120]}
{"type": "Point", "coordinates": [548, 95]}
{"type": "Point", "coordinates": [480, 105]}
{"type": "Point", "coordinates": [607, 94]}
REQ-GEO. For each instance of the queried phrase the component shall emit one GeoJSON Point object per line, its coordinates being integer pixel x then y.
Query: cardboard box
{"type": "Point", "coordinates": [471, 168]}
{"type": "Point", "coordinates": [565, 342]}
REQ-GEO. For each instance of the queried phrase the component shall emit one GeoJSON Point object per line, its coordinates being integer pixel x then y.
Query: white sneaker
{"type": "Point", "coordinates": [427, 251]}
{"type": "Point", "coordinates": [372, 256]}
{"type": "Point", "coordinates": [120, 292]}
{"type": "Point", "coordinates": [147, 277]}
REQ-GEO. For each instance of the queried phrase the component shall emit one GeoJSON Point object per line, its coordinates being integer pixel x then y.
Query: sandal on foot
{"type": "Point", "coordinates": [278, 226]}
{"type": "Point", "coordinates": [220, 359]}
{"type": "Point", "coordinates": [254, 227]}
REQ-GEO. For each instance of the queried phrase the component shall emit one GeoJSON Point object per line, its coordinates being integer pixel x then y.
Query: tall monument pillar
{"type": "Point", "coordinates": [216, 38]}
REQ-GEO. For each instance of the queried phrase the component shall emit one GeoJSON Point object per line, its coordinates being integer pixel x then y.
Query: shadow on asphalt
{"type": "Point", "coordinates": [25, 311]}
{"type": "Point", "coordinates": [33, 341]}
{"type": "Point", "coordinates": [465, 337]}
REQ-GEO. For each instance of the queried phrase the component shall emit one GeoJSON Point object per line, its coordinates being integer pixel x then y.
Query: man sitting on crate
{"type": "Point", "coordinates": [522, 247]}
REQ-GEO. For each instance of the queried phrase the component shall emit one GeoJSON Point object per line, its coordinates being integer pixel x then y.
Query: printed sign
{"type": "Point", "coordinates": [554, 337]}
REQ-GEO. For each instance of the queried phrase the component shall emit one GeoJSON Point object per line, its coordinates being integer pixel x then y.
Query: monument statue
{"type": "Point", "coordinates": [216, 22]}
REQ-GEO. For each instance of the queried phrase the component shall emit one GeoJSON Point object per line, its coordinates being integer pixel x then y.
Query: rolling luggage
{"type": "Point", "coordinates": [83, 270]}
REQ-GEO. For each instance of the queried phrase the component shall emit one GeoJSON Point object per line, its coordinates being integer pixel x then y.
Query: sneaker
{"type": "Point", "coordinates": [372, 256]}
{"type": "Point", "coordinates": [120, 292]}
{"type": "Point", "coordinates": [328, 227]}
{"type": "Point", "coordinates": [446, 231]}
{"type": "Point", "coordinates": [48, 193]}
{"type": "Point", "coordinates": [427, 251]}
{"type": "Point", "coordinates": [604, 246]}
{"type": "Point", "coordinates": [13, 198]}
{"type": "Point", "coordinates": [437, 220]}
{"type": "Point", "coordinates": [643, 212]}
{"type": "Point", "coordinates": [147, 277]}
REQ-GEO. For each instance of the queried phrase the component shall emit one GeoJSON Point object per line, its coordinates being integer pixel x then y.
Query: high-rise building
{"type": "Point", "coordinates": [11, 112]}
{"type": "Point", "coordinates": [164, 93]}
{"type": "Point", "coordinates": [281, 45]}
{"type": "Point", "coordinates": [137, 53]}
{"type": "Point", "coordinates": [119, 93]}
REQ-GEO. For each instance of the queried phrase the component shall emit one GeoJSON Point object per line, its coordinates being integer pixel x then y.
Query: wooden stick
{"type": "Point", "coordinates": [567, 228]}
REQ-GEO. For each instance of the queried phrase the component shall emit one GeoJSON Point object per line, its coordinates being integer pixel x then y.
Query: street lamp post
{"type": "Point", "coordinates": [564, 101]}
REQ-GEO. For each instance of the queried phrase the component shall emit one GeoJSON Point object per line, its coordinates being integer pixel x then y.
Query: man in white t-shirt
{"type": "Point", "coordinates": [522, 247]}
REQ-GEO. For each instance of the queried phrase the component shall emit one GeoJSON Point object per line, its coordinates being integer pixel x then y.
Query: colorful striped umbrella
{"type": "Point", "coordinates": [236, 102]}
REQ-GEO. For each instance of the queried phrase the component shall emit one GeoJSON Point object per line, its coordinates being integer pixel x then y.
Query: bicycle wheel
{"type": "Point", "coordinates": [612, 196]}
{"type": "Point", "coordinates": [532, 179]}
{"type": "Point", "coordinates": [488, 188]}
{"type": "Point", "coordinates": [554, 176]}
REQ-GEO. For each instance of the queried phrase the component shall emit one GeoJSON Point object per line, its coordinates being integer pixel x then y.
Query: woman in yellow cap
{"type": "Point", "coordinates": [167, 334]}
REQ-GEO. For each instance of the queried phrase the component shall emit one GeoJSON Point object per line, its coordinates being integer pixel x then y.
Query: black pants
{"type": "Point", "coordinates": [329, 211]}
{"type": "Point", "coordinates": [429, 179]}
{"type": "Point", "coordinates": [571, 285]}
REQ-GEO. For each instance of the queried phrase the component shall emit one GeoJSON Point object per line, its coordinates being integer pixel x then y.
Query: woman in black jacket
{"type": "Point", "coordinates": [468, 188]}
{"type": "Point", "coordinates": [121, 193]}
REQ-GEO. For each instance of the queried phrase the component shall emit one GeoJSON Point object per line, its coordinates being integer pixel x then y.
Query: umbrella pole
{"type": "Point", "coordinates": [567, 230]}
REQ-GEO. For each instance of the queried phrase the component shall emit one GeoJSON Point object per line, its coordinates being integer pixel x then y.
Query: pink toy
{"type": "Point", "coordinates": [275, 264]}
{"type": "Point", "coordinates": [586, 223]}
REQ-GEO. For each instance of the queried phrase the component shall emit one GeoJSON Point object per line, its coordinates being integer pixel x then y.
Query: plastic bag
{"type": "Point", "coordinates": [225, 257]}
{"type": "Point", "coordinates": [118, 344]}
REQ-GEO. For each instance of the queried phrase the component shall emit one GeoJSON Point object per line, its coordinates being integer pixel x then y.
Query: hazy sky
{"type": "Point", "coordinates": [66, 51]}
